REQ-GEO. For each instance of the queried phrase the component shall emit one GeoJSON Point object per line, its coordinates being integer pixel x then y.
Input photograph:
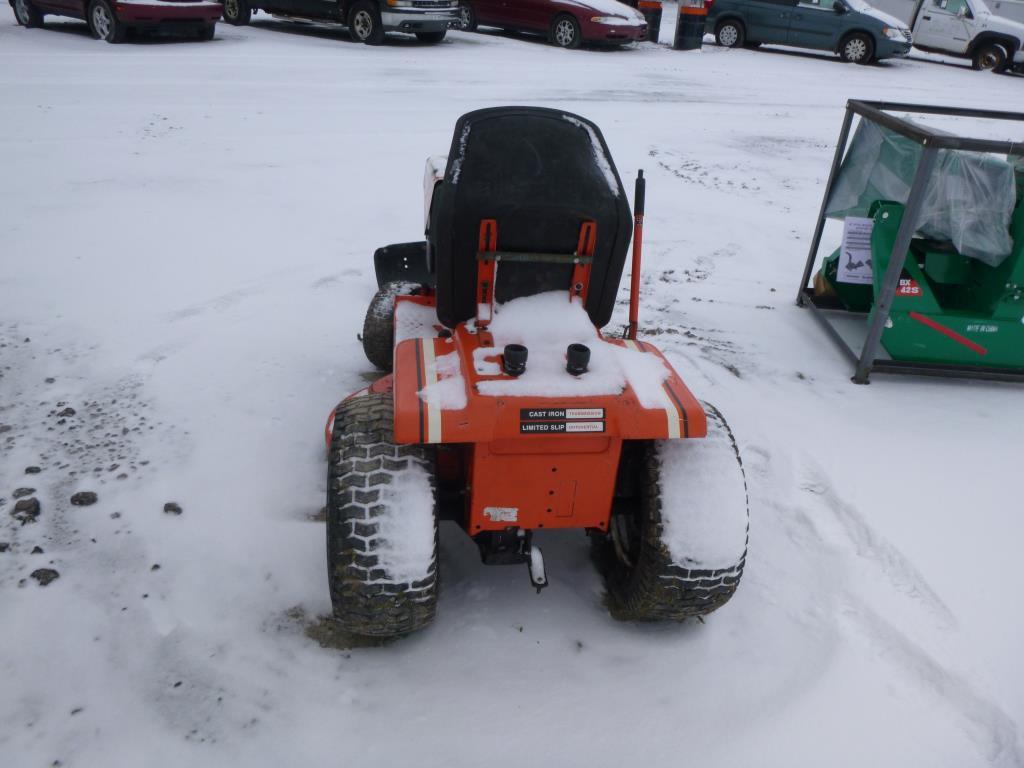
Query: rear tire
{"type": "Point", "coordinates": [431, 37]}
{"type": "Point", "coordinates": [857, 48]}
{"type": "Point", "coordinates": [646, 576]}
{"type": "Point", "coordinates": [990, 57]}
{"type": "Point", "coordinates": [364, 24]}
{"type": "Point", "coordinates": [372, 483]}
{"type": "Point", "coordinates": [104, 23]}
{"type": "Point", "coordinates": [565, 32]}
{"type": "Point", "coordinates": [208, 32]}
{"type": "Point", "coordinates": [238, 13]}
{"type": "Point", "coordinates": [467, 17]}
{"type": "Point", "coordinates": [730, 34]}
{"type": "Point", "coordinates": [27, 15]}
{"type": "Point", "coordinates": [379, 323]}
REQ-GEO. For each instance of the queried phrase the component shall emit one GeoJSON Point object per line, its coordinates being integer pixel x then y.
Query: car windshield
{"type": "Point", "coordinates": [859, 5]}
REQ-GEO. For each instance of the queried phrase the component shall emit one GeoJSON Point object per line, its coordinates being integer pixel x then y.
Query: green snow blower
{"type": "Point", "coordinates": [929, 278]}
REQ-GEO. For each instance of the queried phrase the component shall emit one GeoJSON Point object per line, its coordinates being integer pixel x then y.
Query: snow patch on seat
{"type": "Point", "coordinates": [599, 156]}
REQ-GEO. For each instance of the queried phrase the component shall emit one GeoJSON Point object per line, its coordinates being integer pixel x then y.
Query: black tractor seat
{"type": "Point", "coordinates": [539, 175]}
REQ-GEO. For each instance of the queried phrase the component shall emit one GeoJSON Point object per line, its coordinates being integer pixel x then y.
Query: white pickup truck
{"type": "Point", "coordinates": [969, 30]}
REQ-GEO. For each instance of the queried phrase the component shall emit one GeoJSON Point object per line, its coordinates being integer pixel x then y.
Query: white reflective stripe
{"type": "Point", "coordinates": [671, 414]}
{"type": "Point", "coordinates": [430, 375]}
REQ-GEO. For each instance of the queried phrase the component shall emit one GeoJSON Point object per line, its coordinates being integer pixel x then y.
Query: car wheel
{"type": "Point", "coordinates": [105, 24]}
{"type": "Point", "coordinates": [857, 49]}
{"type": "Point", "coordinates": [208, 32]}
{"type": "Point", "coordinates": [237, 12]}
{"type": "Point", "coordinates": [27, 14]}
{"type": "Point", "coordinates": [565, 32]}
{"type": "Point", "coordinates": [467, 18]}
{"type": "Point", "coordinates": [364, 23]}
{"type": "Point", "coordinates": [730, 34]}
{"type": "Point", "coordinates": [430, 37]}
{"type": "Point", "coordinates": [990, 57]}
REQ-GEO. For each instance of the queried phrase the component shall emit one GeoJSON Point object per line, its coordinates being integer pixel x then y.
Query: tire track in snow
{"type": "Point", "coordinates": [988, 725]}
{"type": "Point", "coordinates": [220, 303]}
{"type": "Point", "coordinates": [871, 545]}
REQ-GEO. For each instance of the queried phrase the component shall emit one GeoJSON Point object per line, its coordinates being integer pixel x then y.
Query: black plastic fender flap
{"type": "Point", "coordinates": [403, 261]}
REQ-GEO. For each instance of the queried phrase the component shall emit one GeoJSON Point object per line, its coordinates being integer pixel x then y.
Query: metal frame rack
{"type": "Point", "coordinates": [850, 329]}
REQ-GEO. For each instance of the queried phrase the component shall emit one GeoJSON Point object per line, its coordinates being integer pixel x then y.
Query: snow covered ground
{"type": "Point", "coordinates": [186, 233]}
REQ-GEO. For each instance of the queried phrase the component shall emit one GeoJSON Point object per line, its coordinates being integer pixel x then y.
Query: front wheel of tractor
{"type": "Point", "coordinates": [379, 323]}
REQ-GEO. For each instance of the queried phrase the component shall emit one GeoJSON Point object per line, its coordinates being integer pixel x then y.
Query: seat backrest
{"type": "Point", "coordinates": [540, 174]}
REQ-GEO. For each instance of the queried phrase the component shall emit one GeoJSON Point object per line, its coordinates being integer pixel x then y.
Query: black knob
{"type": "Point", "coordinates": [513, 360]}
{"type": "Point", "coordinates": [577, 358]}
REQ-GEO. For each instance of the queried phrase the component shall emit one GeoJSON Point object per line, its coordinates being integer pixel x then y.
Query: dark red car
{"type": "Point", "coordinates": [110, 20]}
{"type": "Point", "coordinates": [566, 23]}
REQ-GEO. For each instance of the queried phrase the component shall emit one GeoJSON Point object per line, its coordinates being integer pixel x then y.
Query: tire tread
{"type": "Point", "coordinates": [366, 602]}
{"type": "Point", "coordinates": [655, 588]}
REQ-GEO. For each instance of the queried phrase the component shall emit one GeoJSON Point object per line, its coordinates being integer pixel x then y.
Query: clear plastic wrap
{"type": "Point", "coordinates": [1017, 161]}
{"type": "Point", "coordinates": [968, 202]}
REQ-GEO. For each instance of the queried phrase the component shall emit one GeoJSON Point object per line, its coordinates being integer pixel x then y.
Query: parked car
{"type": "Point", "coordinates": [566, 23]}
{"type": "Point", "coordinates": [367, 20]}
{"type": "Point", "coordinates": [855, 30]}
{"type": "Point", "coordinates": [969, 30]}
{"type": "Point", "coordinates": [111, 20]}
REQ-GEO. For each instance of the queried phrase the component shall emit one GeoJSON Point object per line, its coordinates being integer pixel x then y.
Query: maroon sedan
{"type": "Point", "coordinates": [567, 23]}
{"type": "Point", "coordinates": [110, 20]}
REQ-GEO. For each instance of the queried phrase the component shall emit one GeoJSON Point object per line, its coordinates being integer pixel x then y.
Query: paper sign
{"type": "Point", "coordinates": [855, 254]}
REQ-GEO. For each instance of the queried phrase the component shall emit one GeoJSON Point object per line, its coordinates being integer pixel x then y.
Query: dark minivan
{"type": "Point", "coordinates": [855, 30]}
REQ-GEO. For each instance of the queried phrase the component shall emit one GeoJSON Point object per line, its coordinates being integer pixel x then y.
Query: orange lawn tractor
{"type": "Point", "coordinates": [508, 411]}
